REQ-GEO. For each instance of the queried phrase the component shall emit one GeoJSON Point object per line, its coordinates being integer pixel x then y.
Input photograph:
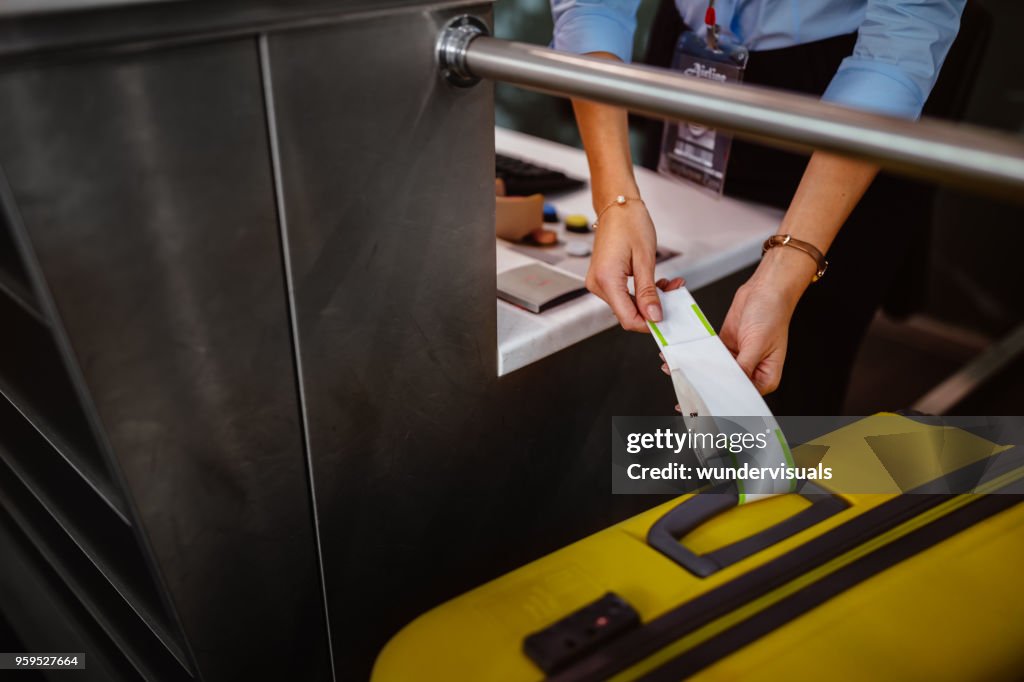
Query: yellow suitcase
{"type": "Point", "coordinates": [844, 586]}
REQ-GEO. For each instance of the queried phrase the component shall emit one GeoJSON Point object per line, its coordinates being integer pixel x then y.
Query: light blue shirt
{"type": "Point", "coordinates": [901, 44]}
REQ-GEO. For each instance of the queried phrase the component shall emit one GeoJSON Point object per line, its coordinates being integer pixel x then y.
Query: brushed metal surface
{"type": "Point", "coordinates": [46, 616]}
{"type": "Point", "coordinates": [431, 473]}
{"type": "Point", "coordinates": [116, 26]}
{"type": "Point", "coordinates": [145, 185]}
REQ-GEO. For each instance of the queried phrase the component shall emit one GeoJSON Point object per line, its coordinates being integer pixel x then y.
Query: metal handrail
{"type": "Point", "coordinates": [948, 153]}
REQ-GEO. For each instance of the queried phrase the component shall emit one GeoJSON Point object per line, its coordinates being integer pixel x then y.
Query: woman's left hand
{"type": "Point", "coordinates": [756, 328]}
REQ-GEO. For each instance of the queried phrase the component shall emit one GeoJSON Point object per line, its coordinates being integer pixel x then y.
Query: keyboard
{"type": "Point", "coordinates": [523, 178]}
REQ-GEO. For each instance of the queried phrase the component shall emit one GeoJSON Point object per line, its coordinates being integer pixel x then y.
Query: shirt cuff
{"type": "Point", "coordinates": [583, 32]}
{"type": "Point", "coordinates": [876, 87]}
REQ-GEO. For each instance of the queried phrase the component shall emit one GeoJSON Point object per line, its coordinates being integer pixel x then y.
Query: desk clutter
{"type": "Point", "coordinates": [532, 227]}
{"type": "Point", "coordinates": [521, 213]}
{"type": "Point", "coordinates": [523, 178]}
{"type": "Point", "coordinates": [537, 287]}
{"type": "Point", "coordinates": [535, 227]}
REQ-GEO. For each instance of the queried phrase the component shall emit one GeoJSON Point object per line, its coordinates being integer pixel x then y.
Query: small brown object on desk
{"type": "Point", "coordinates": [520, 219]}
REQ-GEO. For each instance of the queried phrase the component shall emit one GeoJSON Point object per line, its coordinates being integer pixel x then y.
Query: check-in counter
{"type": "Point", "coordinates": [714, 238]}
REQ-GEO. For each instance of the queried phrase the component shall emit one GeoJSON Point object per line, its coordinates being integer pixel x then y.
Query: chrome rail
{"type": "Point", "coordinates": [960, 155]}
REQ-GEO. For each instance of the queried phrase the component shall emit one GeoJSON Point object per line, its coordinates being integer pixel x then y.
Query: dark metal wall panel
{"type": "Point", "coordinates": [48, 617]}
{"type": "Point", "coordinates": [101, 26]}
{"type": "Point", "coordinates": [388, 185]}
{"type": "Point", "coordinates": [146, 189]}
{"type": "Point", "coordinates": [431, 474]}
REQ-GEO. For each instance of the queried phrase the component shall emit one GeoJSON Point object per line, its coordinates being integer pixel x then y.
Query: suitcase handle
{"type": "Point", "coordinates": [693, 512]}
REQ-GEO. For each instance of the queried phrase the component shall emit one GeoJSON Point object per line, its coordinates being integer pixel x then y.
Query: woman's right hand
{"type": "Point", "coordinates": [624, 245]}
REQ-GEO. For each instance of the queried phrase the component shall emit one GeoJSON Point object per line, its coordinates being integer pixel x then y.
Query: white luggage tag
{"type": "Point", "coordinates": [715, 395]}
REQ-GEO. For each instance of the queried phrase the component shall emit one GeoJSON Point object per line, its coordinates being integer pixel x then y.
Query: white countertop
{"type": "Point", "coordinates": [715, 236]}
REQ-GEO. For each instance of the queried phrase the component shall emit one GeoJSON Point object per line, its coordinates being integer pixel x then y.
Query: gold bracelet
{"type": "Point", "coordinates": [810, 249]}
{"type": "Point", "coordinates": [619, 201]}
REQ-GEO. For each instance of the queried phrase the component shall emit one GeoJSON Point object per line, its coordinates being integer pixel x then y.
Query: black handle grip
{"type": "Point", "coordinates": [693, 512]}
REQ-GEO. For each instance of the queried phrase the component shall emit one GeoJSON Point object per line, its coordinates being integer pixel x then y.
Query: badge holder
{"type": "Point", "coordinates": [691, 151]}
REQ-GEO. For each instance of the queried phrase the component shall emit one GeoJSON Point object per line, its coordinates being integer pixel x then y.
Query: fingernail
{"type": "Point", "coordinates": [654, 313]}
{"type": "Point", "coordinates": [665, 369]}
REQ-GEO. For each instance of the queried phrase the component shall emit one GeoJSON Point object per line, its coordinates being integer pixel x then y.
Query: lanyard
{"type": "Point", "coordinates": [694, 152]}
{"type": "Point", "coordinates": [711, 23]}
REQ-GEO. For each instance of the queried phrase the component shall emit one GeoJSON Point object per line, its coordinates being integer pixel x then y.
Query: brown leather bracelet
{"type": "Point", "coordinates": [810, 249]}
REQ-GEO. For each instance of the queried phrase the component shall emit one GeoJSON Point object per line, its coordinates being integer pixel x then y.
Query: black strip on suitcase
{"type": "Point", "coordinates": [815, 594]}
{"type": "Point", "coordinates": [693, 512]}
{"type": "Point", "coordinates": [662, 631]}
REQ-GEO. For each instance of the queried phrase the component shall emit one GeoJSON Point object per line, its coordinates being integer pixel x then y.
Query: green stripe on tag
{"type": "Point", "coordinates": [657, 332]}
{"type": "Point", "coordinates": [703, 320]}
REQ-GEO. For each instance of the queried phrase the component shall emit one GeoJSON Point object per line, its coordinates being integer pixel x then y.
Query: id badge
{"type": "Point", "coordinates": [691, 151]}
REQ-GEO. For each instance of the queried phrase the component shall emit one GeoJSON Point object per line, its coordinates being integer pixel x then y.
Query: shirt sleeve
{"type": "Point", "coordinates": [900, 49]}
{"type": "Point", "coordinates": [583, 26]}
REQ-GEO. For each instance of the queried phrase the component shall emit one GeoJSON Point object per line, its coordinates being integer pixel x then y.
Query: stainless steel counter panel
{"type": "Point", "coordinates": [146, 189]}
{"type": "Point", "coordinates": [431, 474]}
{"type": "Point", "coordinates": [105, 26]}
{"type": "Point", "coordinates": [388, 193]}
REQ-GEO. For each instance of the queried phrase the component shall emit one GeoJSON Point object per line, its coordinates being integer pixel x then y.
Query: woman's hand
{"type": "Point", "coordinates": [756, 328]}
{"type": "Point", "coordinates": [624, 246]}
{"type": "Point", "coordinates": [625, 243]}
